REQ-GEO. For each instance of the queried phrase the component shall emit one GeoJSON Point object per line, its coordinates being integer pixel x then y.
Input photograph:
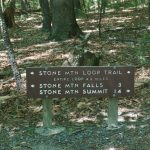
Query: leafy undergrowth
{"type": "Point", "coordinates": [125, 41]}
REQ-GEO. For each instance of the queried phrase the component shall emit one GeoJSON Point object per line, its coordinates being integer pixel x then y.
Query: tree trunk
{"type": "Point", "coordinates": [104, 4]}
{"type": "Point", "coordinates": [2, 5]}
{"type": "Point", "coordinates": [10, 52]}
{"type": "Point", "coordinates": [100, 10]}
{"type": "Point", "coordinates": [77, 4]}
{"type": "Point", "coordinates": [46, 13]}
{"type": "Point", "coordinates": [9, 14]}
{"type": "Point", "coordinates": [64, 23]}
{"type": "Point", "coordinates": [149, 9]}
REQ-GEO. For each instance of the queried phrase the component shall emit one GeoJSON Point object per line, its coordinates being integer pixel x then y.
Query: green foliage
{"type": "Point", "coordinates": [80, 13]}
{"type": "Point", "coordinates": [6, 73]}
{"type": "Point", "coordinates": [88, 4]}
{"type": "Point", "coordinates": [34, 4]}
{"type": "Point", "coordinates": [142, 51]}
{"type": "Point", "coordinates": [125, 4]}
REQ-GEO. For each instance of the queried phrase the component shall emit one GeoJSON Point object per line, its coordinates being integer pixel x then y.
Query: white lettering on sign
{"type": "Point", "coordinates": [117, 91]}
{"type": "Point", "coordinates": [92, 85]}
{"type": "Point", "coordinates": [49, 86]}
{"type": "Point", "coordinates": [61, 79]}
{"type": "Point", "coordinates": [103, 91]}
{"type": "Point", "coordinates": [71, 73]}
{"type": "Point", "coordinates": [113, 72]}
{"type": "Point", "coordinates": [91, 72]}
{"type": "Point", "coordinates": [49, 92]}
{"type": "Point", "coordinates": [49, 73]}
{"type": "Point", "coordinates": [71, 92]}
{"type": "Point", "coordinates": [77, 79]}
{"type": "Point", "coordinates": [101, 79]}
{"type": "Point", "coordinates": [89, 79]}
{"type": "Point", "coordinates": [71, 85]}
{"type": "Point", "coordinates": [119, 84]}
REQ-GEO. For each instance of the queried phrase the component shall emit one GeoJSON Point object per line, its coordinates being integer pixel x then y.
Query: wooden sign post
{"type": "Point", "coordinates": [64, 82]}
{"type": "Point", "coordinates": [47, 113]}
{"type": "Point", "coordinates": [112, 113]}
{"type": "Point", "coordinates": [47, 128]}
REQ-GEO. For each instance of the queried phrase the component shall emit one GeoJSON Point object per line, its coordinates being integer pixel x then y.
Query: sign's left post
{"type": "Point", "coordinates": [47, 113]}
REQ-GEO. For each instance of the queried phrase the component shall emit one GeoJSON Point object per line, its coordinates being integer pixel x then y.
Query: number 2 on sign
{"type": "Point", "coordinates": [117, 91]}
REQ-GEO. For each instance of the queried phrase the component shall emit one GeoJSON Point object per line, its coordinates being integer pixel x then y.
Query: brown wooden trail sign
{"type": "Point", "coordinates": [59, 82]}
{"type": "Point", "coordinates": [47, 83]}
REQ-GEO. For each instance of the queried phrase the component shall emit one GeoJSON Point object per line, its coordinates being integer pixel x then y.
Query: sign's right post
{"type": "Point", "coordinates": [112, 113]}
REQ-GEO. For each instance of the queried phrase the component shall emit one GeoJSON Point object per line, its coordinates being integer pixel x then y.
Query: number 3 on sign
{"type": "Point", "coordinates": [119, 84]}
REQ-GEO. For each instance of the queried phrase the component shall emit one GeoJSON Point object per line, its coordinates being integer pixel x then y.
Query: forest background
{"type": "Point", "coordinates": [74, 33]}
